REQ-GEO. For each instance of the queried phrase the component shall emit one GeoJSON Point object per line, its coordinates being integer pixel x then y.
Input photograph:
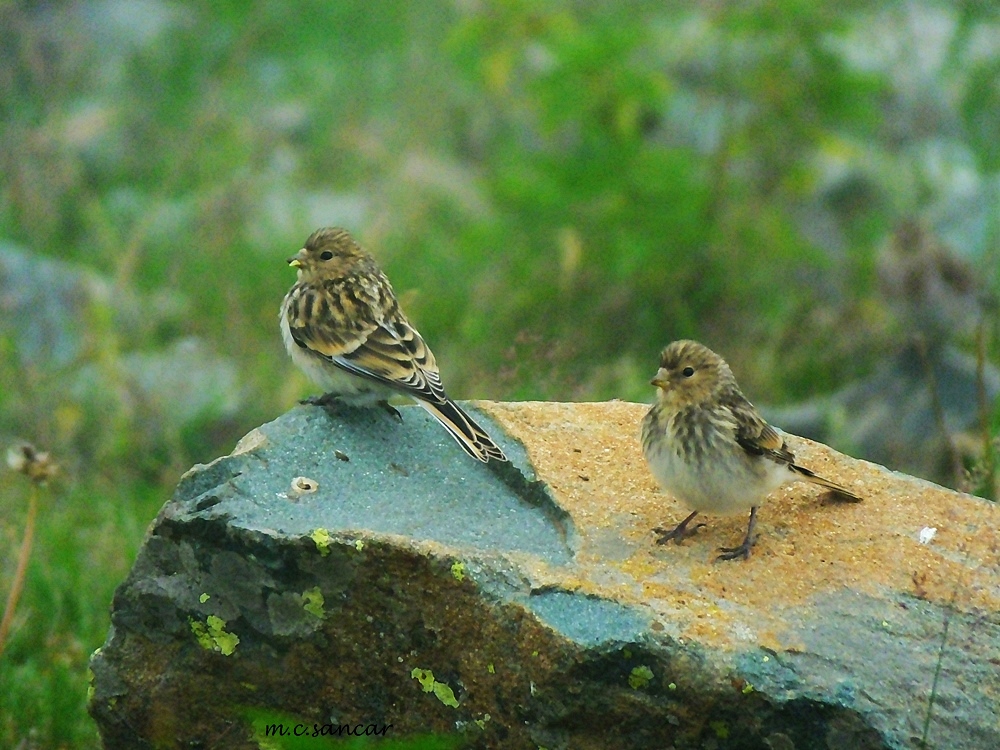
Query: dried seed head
{"type": "Point", "coordinates": [34, 464]}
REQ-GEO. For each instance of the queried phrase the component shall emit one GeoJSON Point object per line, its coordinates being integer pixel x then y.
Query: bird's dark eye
{"type": "Point", "coordinates": [687, 372]}
{"type": "Point", "coordinates": [325, 255]}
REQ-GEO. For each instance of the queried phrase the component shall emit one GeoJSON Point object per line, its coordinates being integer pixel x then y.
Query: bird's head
{"type": "Point", "coordinates": [690, 374]}
{"type": "Point", "coordinates": [330, 252]}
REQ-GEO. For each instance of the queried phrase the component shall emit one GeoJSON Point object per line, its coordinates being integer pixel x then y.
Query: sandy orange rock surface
{"type": "Point", "coordinates": [809, 545]}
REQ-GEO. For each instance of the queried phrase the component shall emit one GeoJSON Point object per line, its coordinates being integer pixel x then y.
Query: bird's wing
{"type": "Point", "coordinates": [755, 435]}
{"type": "Point", "coordinates": [395, 354]}
{"type": "Point", "coordinates": [376, 342]}
{"type": "Point", "coordinates": [327, 324]}
{"type": "Point", "coordinates": [758, 437]}
{"type": "Point", "coordinates": [364, 333]}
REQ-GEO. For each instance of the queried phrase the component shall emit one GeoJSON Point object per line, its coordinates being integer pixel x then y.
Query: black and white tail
{"type": "Point", "coordinates": [808, 476]}
{"type": "Point", "coordinates": [473, 438]}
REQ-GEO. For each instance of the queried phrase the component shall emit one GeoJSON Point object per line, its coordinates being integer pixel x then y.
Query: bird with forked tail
{"type": "Point", "coordinates": [342, 325]}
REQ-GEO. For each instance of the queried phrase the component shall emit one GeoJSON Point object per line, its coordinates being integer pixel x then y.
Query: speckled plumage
{"type": "Point", "coordinates": [707, 445]}
{"type": "Point", "coordinates": [342, 325]}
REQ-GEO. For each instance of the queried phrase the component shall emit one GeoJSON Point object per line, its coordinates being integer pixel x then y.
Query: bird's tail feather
{"type": "Point", "coordinates": [473, 438]}
{"type": "Point", "coordinates": [809, 476]}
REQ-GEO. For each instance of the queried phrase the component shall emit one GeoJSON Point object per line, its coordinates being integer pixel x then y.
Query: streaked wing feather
{"type": "Point", "coordinates": [758, 437]}
{"type": "Point", "coordinates": [317, 322]}
{"type": "Point", "coordinates": [364, 333]}
{"type": "Point", "coordinates": [398, 357]}
{"type": "Point", "coordinates": [402, 363]}
{"type": "Point", "coordinates": [770, 440]}
{"type": "Point", "coordinates": [755, 435]}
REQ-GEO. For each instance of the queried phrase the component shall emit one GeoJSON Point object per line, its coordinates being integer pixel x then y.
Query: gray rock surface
{"type": "Point", "coordinates": [349, 568]}
{"type": "Point", "coordinates": [52, 312]}
{"type": "Point", "coordinates": [891, 417]}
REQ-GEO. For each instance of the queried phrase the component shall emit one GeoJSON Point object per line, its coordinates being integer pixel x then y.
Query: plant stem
{"type": "Point", "coordinates": [989, 451]}
{"type": "Point", "coordinates": [20, 573]}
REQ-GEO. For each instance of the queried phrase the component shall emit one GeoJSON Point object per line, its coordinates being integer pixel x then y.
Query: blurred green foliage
{"type": "Point", "coordinates": [556, 189]}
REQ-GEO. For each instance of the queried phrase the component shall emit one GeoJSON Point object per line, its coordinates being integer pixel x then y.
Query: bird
{"type": "Point", "coordinates": [342, 325]}
{"type": "Point", "coordinates": [708, 446]}
{"type": "Point", "coordinates": [936, 293]}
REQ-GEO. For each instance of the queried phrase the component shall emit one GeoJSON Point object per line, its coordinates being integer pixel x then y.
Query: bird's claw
{"type": "Point", "coordinates": [733, 553]}
{"type": "Point", "coordinates": [325, 400]}
{"type": "Point", "coordinates": [677, 534]}
{"type": "Point", "coordinates": [392, 410]}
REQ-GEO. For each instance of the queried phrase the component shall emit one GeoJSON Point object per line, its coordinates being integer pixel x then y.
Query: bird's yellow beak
{"type": "Point", "coordinates": [296, 260]}
{"type": "Point", "coordinates": [660, 381]}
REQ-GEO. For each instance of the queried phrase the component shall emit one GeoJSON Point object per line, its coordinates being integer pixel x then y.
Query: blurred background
{"type": "Point", "coordinates": [556, 190]}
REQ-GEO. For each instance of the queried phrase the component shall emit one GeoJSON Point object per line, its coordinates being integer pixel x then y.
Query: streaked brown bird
{"type": "Point", "coordinates": [936, 293]}
{"type": "Point", "coordinates": [342, 325]}
{"type": "Point", "coordinates": [708, 446]}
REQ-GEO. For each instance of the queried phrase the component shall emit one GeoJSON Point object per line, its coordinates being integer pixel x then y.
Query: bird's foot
{"type": "Point", "coordinates": [392, 410]}
{"type": "Point", "coordinates": [676, 534]}
{"type": "Point", "coordinates": [327, 399]}
{"type": "Point", "coordinates": [679, 532]}
{"type": "Point", "coordinates": [733, 553]}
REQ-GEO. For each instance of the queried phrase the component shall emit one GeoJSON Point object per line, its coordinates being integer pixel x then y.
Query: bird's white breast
{"type": "Point", "coordinates": [725, 481]}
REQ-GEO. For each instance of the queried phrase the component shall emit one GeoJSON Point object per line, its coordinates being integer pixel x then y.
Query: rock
{"type": "Point", "coordinates": [183, 385]}
{"type": "Point", "coordinates": [50, 310]}
{"type": "Point", "coordinates": [349, 570]}
{"type": "Point", "coordinates": [891, 418]}
{"type": "Point", "coordinates": [83, 342]}
{"type": "Point", "coordinates": [922, 408]}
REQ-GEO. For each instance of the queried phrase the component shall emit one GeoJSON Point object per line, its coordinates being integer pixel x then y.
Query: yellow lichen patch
{"type": "Point", "coordinates": [425, 677]}
{"type": "Point", "coordinates": [640, 677]}
{"type": "Point", "coordinates": [641, 566]}
{"type": "Point", "coordinates": [322, 539]}
{"type": "Point", "coordinates": [429, 685]}
{"type": "Point", "coordinates": [312, 602]}
{"type": "Point", "coordinates": [445, 694]}
{"type": "Point", "coordinates": [720, 728]}
{"type": "Point", "coordinates": [212, 635]}
{"type": "Point", "coordinates": [458, 570]}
